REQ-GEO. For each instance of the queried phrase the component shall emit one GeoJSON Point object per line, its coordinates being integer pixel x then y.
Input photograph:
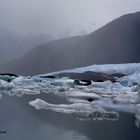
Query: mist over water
{"type": "Point", "coordinates": [28, 29]}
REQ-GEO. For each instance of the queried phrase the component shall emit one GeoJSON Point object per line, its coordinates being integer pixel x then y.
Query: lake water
{"type": "Point", "coordinates": [25, 123]}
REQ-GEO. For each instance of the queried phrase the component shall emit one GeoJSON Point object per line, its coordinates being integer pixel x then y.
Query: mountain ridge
{"type": "Point", "coordinates": [116, 42]}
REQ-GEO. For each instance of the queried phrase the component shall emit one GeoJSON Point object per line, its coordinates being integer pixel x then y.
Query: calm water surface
{"type": "Point", "coordinates": [25, 123]}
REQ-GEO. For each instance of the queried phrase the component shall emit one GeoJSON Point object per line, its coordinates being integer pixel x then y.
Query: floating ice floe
{"type": "Point", "coordinates": [87, 102]}
{"type": "Point", "coordinates": [82, 111]}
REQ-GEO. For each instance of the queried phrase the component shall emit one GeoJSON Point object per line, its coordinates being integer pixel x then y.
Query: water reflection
{"type": "Point", "coordinates": [24, 122]}
{"type": "Point", "coordinates": [19, 132]}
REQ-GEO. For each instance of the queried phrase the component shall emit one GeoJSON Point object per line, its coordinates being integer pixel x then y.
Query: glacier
{"type": "Point", "coordinates": [98, 101]}
{"type": "Point", "coordinates": [128, 69]}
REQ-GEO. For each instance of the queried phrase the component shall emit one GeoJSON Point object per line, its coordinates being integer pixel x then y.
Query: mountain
{"type": "Point", "coordinates": [116, 42]}
{"type": "Point", "coordinates": [13, 46]}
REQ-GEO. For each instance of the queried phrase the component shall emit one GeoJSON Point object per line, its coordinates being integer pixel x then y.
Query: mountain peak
{"type": "Point", "coordinates": [116, 42]}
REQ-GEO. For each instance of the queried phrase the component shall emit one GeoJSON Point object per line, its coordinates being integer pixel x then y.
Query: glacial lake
{"type": "Point", "coordinates": [23, 122]}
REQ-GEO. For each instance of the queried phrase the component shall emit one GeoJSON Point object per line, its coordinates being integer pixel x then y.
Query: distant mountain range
{"type": "Point", "coordinates": [13, 46]}
{"type": "Point", "coordinates": [116, 42]}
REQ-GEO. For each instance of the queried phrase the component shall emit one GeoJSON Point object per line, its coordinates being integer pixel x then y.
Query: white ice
{"type": "Point", "coordinates": [128, 69]}
{"type": "Point", "coordinates": [79, 110]}
{"type": "Point", "coordinates": [124, 95]}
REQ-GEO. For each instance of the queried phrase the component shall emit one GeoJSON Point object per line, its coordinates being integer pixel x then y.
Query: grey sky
{"type": "Point", "coordinates": [60, 17]}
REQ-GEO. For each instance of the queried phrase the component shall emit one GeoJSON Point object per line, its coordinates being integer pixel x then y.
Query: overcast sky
{"type": "Point", "coordinates": [60, 17]}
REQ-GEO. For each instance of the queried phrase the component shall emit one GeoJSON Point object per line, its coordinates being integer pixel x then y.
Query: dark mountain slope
{"type": "Point", "coordinates": [116, 42]}
{"type": "Point", "coordinates": [13, 46]}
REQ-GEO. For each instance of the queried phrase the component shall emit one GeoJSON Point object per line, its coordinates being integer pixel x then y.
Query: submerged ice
{"type": "Point", "coordinates": [98, 101]}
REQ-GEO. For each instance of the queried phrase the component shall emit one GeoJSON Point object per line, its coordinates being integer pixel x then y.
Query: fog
{"type": "Point", "coordinates": [25, 24]}
{"type": "Point", "coordinates": [61, 17]}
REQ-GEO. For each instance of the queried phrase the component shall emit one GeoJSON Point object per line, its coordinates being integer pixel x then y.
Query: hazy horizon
{"type": "Point", "coordinates": [69, 69]}
{"type": "Point", "coordinates": [27, 24]}
{"type": "Point", "coordinates": [61, 18]}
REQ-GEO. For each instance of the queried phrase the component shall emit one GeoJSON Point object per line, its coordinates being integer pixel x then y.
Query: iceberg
{"type": "Point", "coordinates": [82, 111]}
{"type": "Point", "coordinates": [100, 100]}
